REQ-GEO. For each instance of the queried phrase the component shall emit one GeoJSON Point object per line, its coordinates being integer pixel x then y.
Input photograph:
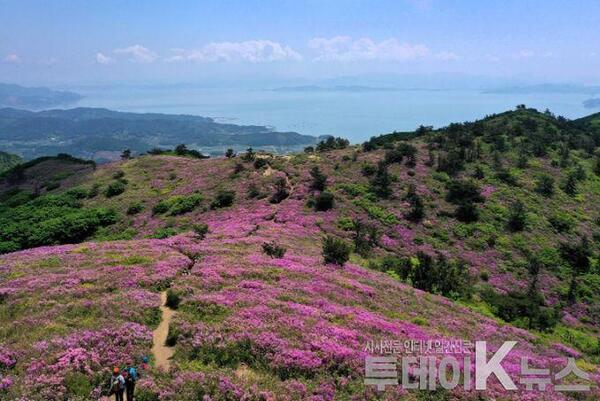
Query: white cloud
{"type": "Point", "coordinates": [102, 58]}
{"type": "Point", "coordinates": [344, 48]}
{"type": "Point", "coordinates": [12, 59]}
{"type": "Point", "coordinates": [254, 51]}
{"type": "Point", "coordinates": [138, 54]}
{"type": "Point", "coordinates": [447, 56]}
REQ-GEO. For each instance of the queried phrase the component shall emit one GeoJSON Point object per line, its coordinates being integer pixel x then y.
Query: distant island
{"type": "Point", "coordinates": [592, 103]}
{"type": "Point", "coordinates": [35, 98]}
{"type": "Point", "coordinates": [336, 88]}
{"type": "Point", "coordinates": [545, 88]}
{"type": "Point", "coordinates": [101, 134]}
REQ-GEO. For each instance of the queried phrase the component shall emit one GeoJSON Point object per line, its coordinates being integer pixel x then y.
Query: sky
{"type": "Point", "coordinates": [62, 42]}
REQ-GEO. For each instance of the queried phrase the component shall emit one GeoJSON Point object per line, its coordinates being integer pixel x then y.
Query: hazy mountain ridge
{"type": "Point", "coordinates": [86, 132]}
{"type": "Point", "coordinates": [34, 98]}
{"type": "Point", "coordinates": [592, 103]}
{"type": "Point", "coordinates": [546, 88]}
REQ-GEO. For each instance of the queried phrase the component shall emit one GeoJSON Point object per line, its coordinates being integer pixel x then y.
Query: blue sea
{"type": "Point", "coordinates": [353, 115]}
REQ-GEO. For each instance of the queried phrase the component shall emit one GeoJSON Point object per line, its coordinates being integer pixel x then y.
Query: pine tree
{"type": "Point", "coordinates": [382, 181]}
{"type": "Point", "coordinates": [570, 185]}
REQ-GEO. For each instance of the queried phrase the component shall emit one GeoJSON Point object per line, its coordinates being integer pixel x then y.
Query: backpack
{"type": "Point", "coordinates": [115, 385]}
{"type": "Point", "coordinates": [133, 374]}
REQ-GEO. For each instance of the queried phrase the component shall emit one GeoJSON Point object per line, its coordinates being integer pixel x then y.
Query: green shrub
{"type": "Point", "coordinates": [249, 156]}
{"type": "Point", "coordinates": [78, 384]}
{"type": "Point", "coordinates": [165, 232]}
{"type": "Point", "coordinates": [273, 250]}
{"type": "Point", "coordinates": [400, 266]}
{"type": "Point", "coordinates": [281, 191]}
{"type": "Point", "coordinates": [173, 299]}
{"type": "Point", "coordinates": [77, 193]}
{"type": "Point", "coordinates": [200, 230]}
{"type": "Point", "coordinates": [479, 173]}
{"type": "Point", "coordinates": [507, 177]}
{"type": "Point", "coordinates": [161, 207]}
{"type": "Point", "coordinates": [545, 186]}
{"type": "Point", "coordinates": [177, 205]}
{"type": "Point", "coordinates": [393, 156]}
{"type": "Point", "coordinates": [135, 208]}
{"type": "Point", "coordinates": [319, 180]}
{"type": "Point", "coordinates": [324, 201]}
{"type": "Point", "coordinates": [184, 204]}
{"type": "Point", "coordinates": [365, 237]}
{"type": "Point", "coordinates": [94, 191]}
{"type": "Point", "coordinates": [517, 216]}
{"type": "Point", "coordinates": [460, 192]}
{"type": "Point", "coordinates": [335, 250]}
{"type": "Point", "coordinates": [345, 223]}
{"type": "Point", "coordinates": [353, 189]}
{"type": "Point", "coordinates": [260, 163]}
{"type": "Point", "coordinates": [570, 185]}
{"type": "Point", "coordinates": [561, 222]}
{"type": "Point", "coordinates": [253, 191]}
{"type": "Point", "coordinates": [51, 185]}
{"type": "Point", "coordinates": [172, 335]}
{"type": "Point", "coordinates": [332, 143]}
{"type": "Point", "coordinates": [526, 306]}
{"type": "Point", "coordinates": [145, 394]}
{"type": "Point", "coordinates": [467, 212]}
{"type": "Point", "coordinates": [381, 182]}
{"type": "Point", "coordinates": [50, 220]}
{"type": "Point", "coordinates": [368, 169]}
{"type": "Point", "coordinates": [9, 246]}
{"type": "Point", "coordinates": [441, 276]}
{"type": "Point", "coordinates": [223, 199]}
{"type": "Point", "coordinates": [114, 188]}
{"type": "Point", "coordinates": [206, 311]}
{"type": "Point", "coordinates": [376, 211]}
{"type": "Point", "coordinates": [417, 208]}
{"type": "Point", "coordinates": [16, 197]}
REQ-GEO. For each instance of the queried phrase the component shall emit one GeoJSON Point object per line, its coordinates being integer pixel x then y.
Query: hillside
{"type": "Point", "coordinates": [34, 98]}
{"type": "Point", "coordinates": [102, 134]}
{"type": "Point", "coordinates": [479, 231]}
{"type": "Point", "coordinates": [8, 161]}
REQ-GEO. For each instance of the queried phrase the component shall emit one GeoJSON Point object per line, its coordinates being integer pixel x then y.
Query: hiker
{"type": "Point", "coordinates": [117, 384]}
{"type": "Point", "coordinates": [144, 366]}
{"type": "Point", "coordinates": [132, 377]}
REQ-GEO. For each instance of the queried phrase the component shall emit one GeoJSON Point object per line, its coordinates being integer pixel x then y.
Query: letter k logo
{"type": "Point", "coordinates": [484, 368]}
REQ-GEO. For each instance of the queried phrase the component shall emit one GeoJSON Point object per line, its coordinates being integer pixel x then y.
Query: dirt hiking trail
{"type": "Point", "coordinates": [161, 352]}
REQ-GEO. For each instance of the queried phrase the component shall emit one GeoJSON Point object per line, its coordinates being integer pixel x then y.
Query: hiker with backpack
{"type": "Point", "coordinates": [117, 384]}
{"type": "Point", "coordinates": [130, 380]}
